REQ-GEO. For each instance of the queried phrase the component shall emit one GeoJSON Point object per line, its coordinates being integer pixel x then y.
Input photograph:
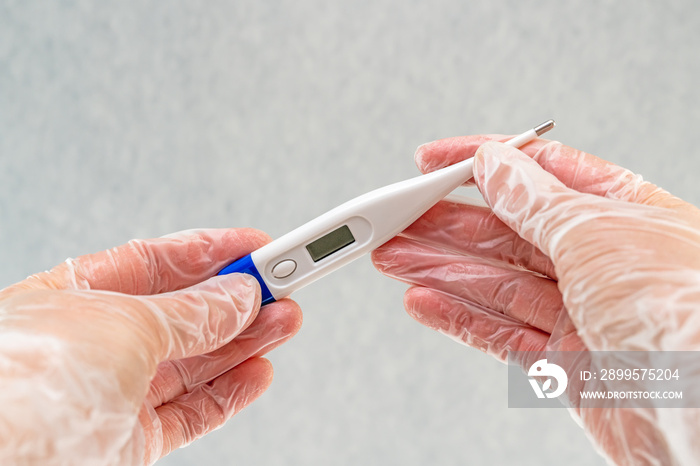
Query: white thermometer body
{"type": "Point", "coordinates": [352, 229]}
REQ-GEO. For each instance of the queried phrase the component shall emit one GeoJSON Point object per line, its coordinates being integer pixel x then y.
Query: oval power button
{"type": "Point", "coordinates": [284, 268]}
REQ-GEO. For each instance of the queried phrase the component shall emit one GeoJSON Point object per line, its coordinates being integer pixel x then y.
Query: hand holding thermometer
{"type": "Point", "coordinates": [345, 233]}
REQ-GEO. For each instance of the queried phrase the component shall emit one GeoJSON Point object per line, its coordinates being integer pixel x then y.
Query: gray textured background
{"type": "Point", "coordinates": [139, 118]}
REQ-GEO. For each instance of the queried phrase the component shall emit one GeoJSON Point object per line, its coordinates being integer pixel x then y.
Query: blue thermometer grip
{"type": "Point", "coordinates": [247, 266]}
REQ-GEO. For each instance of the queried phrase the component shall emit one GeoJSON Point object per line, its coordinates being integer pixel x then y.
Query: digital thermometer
{"type": "Point", "coordinates": [345, 233]}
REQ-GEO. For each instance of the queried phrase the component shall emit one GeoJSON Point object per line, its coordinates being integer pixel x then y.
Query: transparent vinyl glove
{"type": "Point", "coordinates": [574, 253]}
{"type": "Point", "coordinates": [122, 356]}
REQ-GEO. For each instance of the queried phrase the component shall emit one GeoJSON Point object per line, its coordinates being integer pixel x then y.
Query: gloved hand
{"type": "Point", "coordinates": [574, 253]}
{"type": "Point", "coordinates": [122, 356]}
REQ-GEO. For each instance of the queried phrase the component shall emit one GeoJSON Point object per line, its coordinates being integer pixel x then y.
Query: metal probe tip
{"type": "Point", "coordinates": [544, 127]}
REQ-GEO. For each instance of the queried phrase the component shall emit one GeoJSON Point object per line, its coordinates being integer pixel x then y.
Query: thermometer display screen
{"type": "Point", "coordinates": [332, 242]}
